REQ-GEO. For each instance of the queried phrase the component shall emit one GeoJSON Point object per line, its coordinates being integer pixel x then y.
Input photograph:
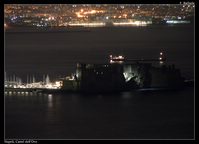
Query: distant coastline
{"type": "Point", "coordinates": [23, 29]}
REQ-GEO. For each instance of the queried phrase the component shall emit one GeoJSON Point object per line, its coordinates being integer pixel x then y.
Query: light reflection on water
{"type": "Point", "coordinates": [126, 95]}
{"type": "Point", "coordinates": [23, 93]}
{"type": "Point", "coordinates": [31, 96]}
{"type": "Point", "coordinates": [125, 115]}
{"type": "Point", "coordinates": [50, 100]}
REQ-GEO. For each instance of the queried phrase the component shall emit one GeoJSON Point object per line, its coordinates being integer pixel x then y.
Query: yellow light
{"type": "Point", "coordinates": [79, 15]}
{"type": "Point", "coordinates": [90, 12]}
{"type": "Point", "coordinates": [160, 58]}
{"type": "Point", "coordinates": [93, 11]}
{"type": "Point", "coordinates": [125, 15]}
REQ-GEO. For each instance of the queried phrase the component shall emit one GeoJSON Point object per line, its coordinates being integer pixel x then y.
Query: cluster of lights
{"type": "Point", "coordinates": [55, 85]}
{"type": "Point", "coordinates": [83, 13]}
{"type": "Point", "coordinates": [116, 59]}
{"type": "Point", "coordinates": [87, 24]}
{"type": "Point", "coordinates": [177, 21]}
{"type": "Point", "coordinates": [51, 18]}
{"type": "Point", "coordinates": [161, 58]}
{"type": "Point", "coordinates": [40, 25]}
{"type": "Point", "coordinates": [52, 86]}
{"type": "Point", "coordinates": [121, 16]}
{"type": "Point", "coordinates": [135, 23]}
{"type": "Point", "coordinates": [14, 18]}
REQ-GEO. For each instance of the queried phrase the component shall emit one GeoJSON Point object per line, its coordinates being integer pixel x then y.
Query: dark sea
{"type": "Point", "coordinates": [127, 115]}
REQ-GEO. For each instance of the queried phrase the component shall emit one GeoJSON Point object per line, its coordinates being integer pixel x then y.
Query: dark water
{"type": "Point", "coordinates": [130, 115]}
{"type": "Point", "coordinates": [136, 115]}
{"type": "Point", "coordinates": [57, 53]}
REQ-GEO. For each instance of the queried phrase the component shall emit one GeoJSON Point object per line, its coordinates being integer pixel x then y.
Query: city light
{"type": "Point", "coordinates": [87, 24]}
{"type": "Point", "coordinates": [135, 23]}
{"type": "Point", "coordinates": [116, 59]}
{"type": "Point", "coordinates": [5, 25]}
{"type": "Point", "coordinates": [130, 15]}
{"type": "Point", "coordinates": [50, 85]}
{"type": "Point", "coordinates": [51, 18]}
{"type": "Point", "coordinates": [90, 12]}
{"type": "Point", "coordinates": [176, 21]}
{"type": "Point", "coordinates": [79, 15]}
